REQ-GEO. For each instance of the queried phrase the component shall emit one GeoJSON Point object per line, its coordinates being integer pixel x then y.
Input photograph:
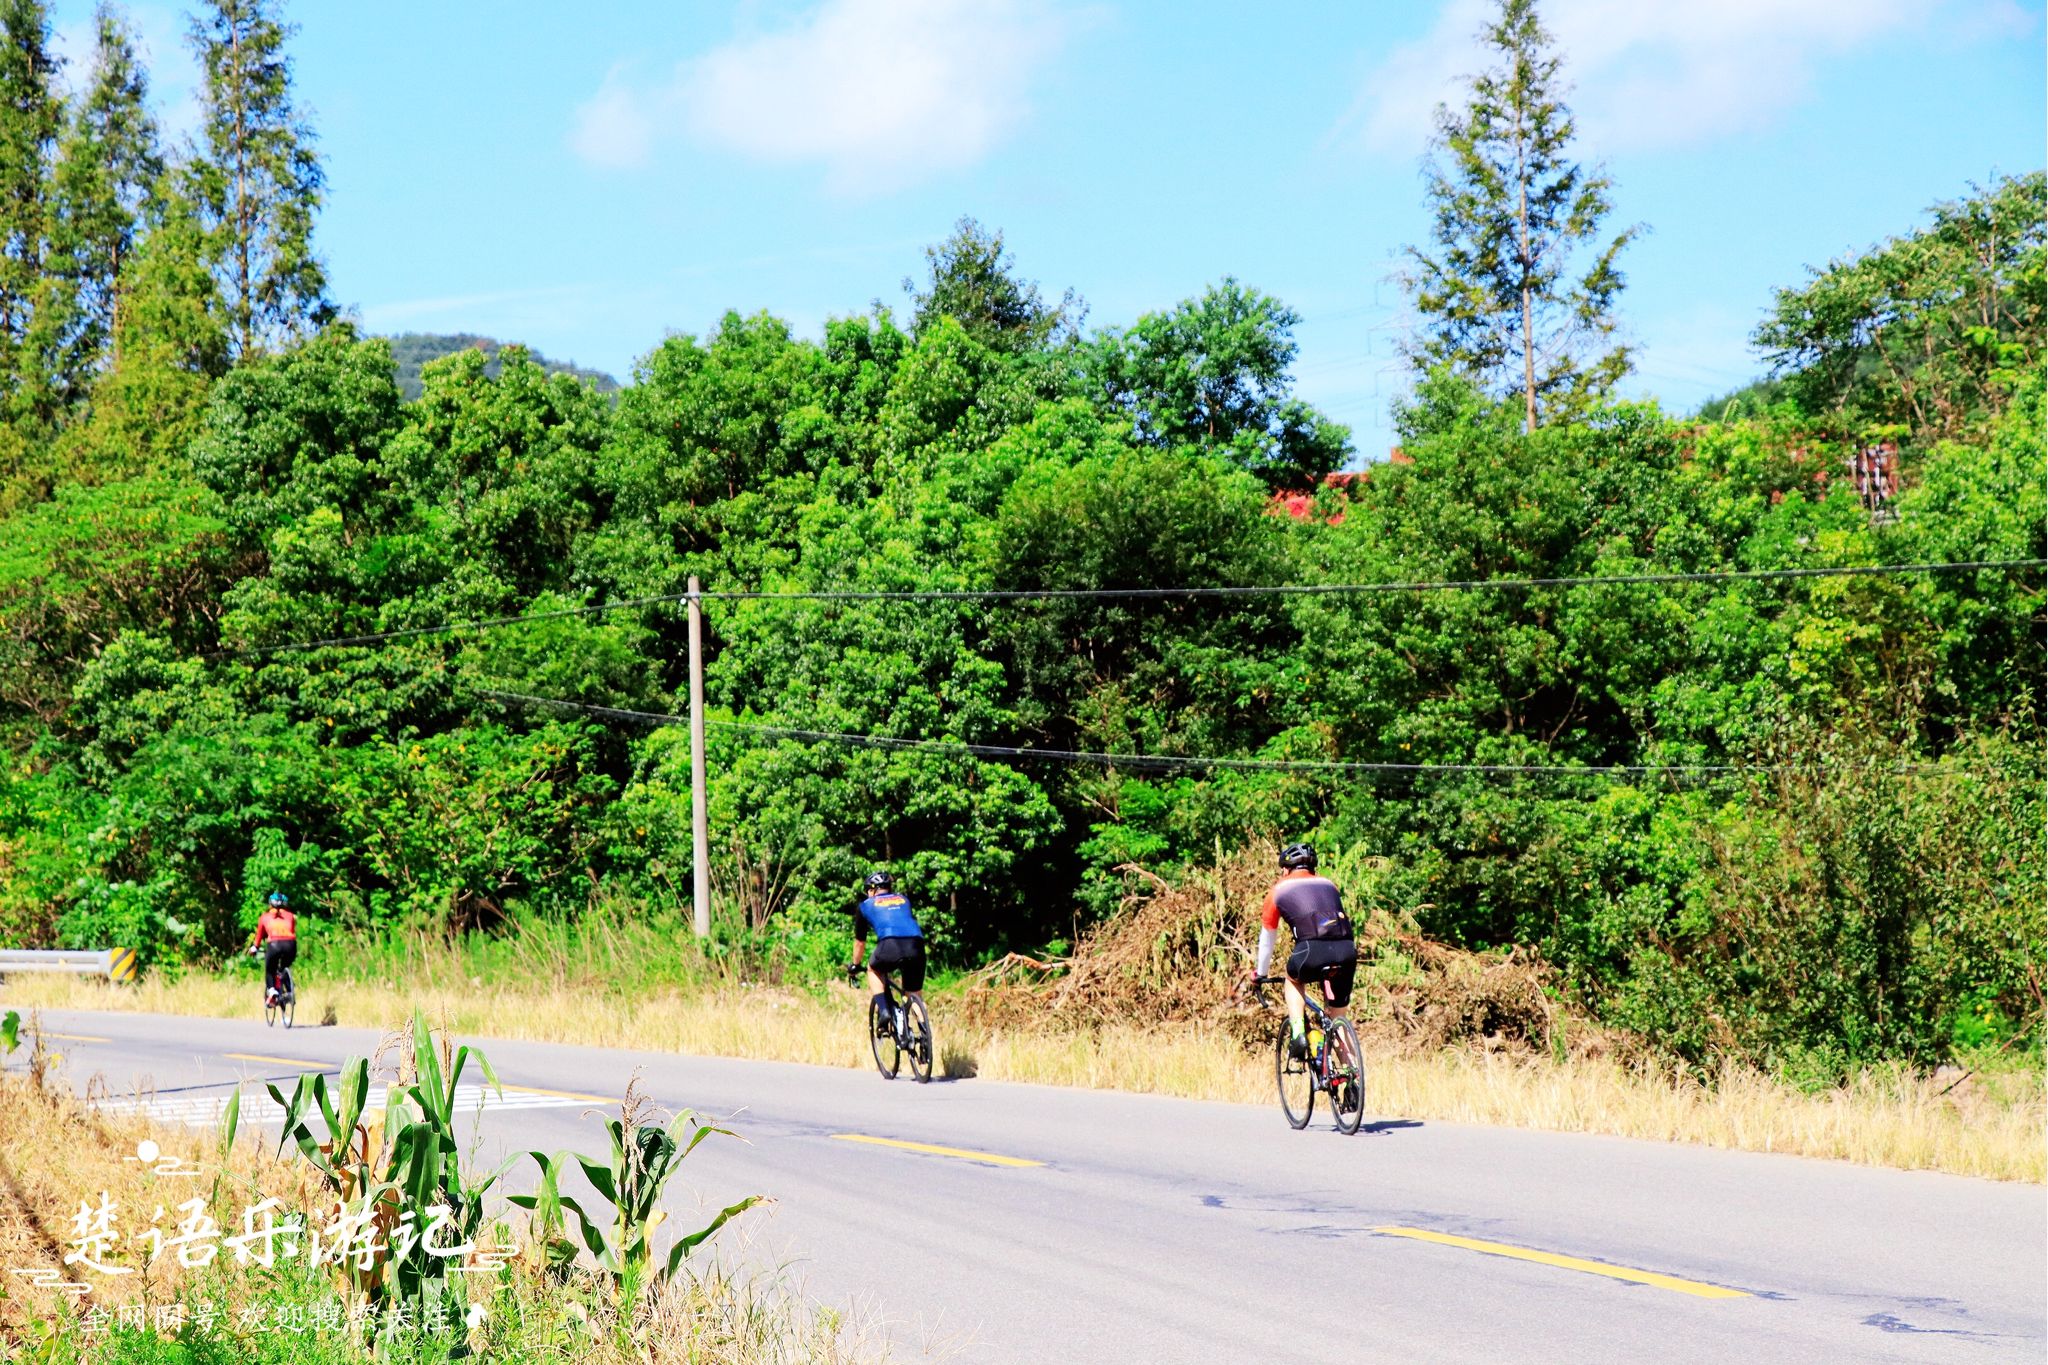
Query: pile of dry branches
{"type": "Point", "coordinates": [1174, 952]}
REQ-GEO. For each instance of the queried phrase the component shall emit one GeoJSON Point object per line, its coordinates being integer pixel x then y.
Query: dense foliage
{"type": "Point", "coordinates": [176, 748]}
{"type": "Point", "coordinates": [1922, 331]}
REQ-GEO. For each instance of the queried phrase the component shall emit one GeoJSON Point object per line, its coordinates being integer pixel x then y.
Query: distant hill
{"type": "Point", "coordinates": [1753, 398]}
{"type": "Point", "coordinates": [412, 351]}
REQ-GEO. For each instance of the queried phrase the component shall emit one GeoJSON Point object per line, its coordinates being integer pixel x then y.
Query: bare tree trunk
{"type": "Point", "coordinates": [244, 311]}
{"type": "Point", "coordinates": [1528, 365]}
{"type": "Point", "coordinates": [1528, 265]}
{"type": "Point", "coordinates": [114, 312]}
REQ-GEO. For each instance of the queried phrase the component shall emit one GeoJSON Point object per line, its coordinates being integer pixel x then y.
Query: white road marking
{"type": "Point", "coordinates": [204, 1111]}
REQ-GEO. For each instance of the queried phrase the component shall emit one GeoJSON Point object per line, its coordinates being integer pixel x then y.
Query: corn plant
{"type": "Point", "coordinates": [345, 1161]}
{"type": "Point", "coordinates": [426, 1159]}
{"type": "Point", "coordinates": [411, 1163]}
{"type": "Point", "coordinates": [644, 1158]}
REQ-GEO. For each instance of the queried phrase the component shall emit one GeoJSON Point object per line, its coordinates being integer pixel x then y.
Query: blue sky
{"type": "Point", "coordinates": [589, 178]}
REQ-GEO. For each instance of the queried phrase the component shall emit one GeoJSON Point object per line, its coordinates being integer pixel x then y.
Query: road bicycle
{"type": "Point", "coordinates": [1334, 1066]}
{"type": "Point", "coordinates": [279, 1007]}
{"type": "Point", "coordinates": [898, 1029]}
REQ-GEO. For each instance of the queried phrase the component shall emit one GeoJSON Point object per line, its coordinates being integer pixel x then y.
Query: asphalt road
{"type": "Point", "coordinates": [1170, 1230]}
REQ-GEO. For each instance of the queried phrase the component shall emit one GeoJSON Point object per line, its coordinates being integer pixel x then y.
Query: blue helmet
{"type": "Point", "coordinates": [277, 900]}
{"type": "Point", "coordinates": [880, 881]}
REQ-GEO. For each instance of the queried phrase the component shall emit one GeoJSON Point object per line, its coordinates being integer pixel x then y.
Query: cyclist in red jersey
{"type": "Point", "coordinates": [1325, 951]}
{"type": "Point", "coordinates": [277, 938]}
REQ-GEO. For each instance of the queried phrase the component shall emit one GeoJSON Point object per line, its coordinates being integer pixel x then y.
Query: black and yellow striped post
{"type": "Point", "coordinates": [121, 965]}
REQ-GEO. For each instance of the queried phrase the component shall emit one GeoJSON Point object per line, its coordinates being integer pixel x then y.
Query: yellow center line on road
{"type": "Point", "coordinates": [1614, 1272]}
{"type": "Point", "coordinates": [562, 1094]}
{"type": "Point", "coordinates": [76, 1037]}
{"type": "Point", "coordinates": [963, 1153]}
{"type": "Point", "coordinates": [281, 1061]}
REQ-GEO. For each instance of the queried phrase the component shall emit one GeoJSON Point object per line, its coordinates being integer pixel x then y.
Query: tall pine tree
{"type": "Point", "coordinates": [1501, 296]}
{"type": "Point", "coordinates": [108, 165]}
{"type": "Point", "coordinates": [170, 343]}
{"type": "Point", "coordinates": [30, 114]}
{"type": "Point", "coordinates": [257, 183]}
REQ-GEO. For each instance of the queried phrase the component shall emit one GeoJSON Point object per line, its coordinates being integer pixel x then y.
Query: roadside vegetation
{"type": "Point", "coordinates": [1755, 860]}
{"type": "Point", "coordinates": [643, 1298]}
{"type": "Point", "coordinates": [1145, 1004]}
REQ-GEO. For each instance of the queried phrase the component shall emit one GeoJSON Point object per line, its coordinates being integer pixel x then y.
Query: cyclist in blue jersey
{"type": "Point", "coordinates": [899, 943]}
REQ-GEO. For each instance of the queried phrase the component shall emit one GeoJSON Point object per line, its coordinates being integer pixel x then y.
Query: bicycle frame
{"type": "Point", "coordinates": [1318, 1017]}
{"type": "Point", "coordinates": [1308, 997]}
{"type": "Point", "coordinates": [895, 995]}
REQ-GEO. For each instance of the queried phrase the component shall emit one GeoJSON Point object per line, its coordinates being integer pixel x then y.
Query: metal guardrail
{"type": "Point", "coordinates": [115, 964]}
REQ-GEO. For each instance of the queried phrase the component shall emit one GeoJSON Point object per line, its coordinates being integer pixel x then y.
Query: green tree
{"type": "Point", "coordinates": [972, 278]}
{"type": "Point", "coordinates": [1501, 298]}
{"type": "Point", "coordinates": [107, 166]}
{"type": "Point", "coordinates": [1213, 372]}
{"type": "Point", "coordinates": [1931, 330]}
{"type": "Point", "coordinates": [257, 183]}
{"type": "Point", "coordinates": [31, 113]}
{"type": "Point", "coordinates": [170, 342]}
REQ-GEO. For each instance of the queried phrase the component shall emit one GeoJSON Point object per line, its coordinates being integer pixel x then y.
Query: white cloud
{"type": "Point", "coordinates": [877, 92]}
{"type": "Point", "coordinates": [614, 128]}
{"type": "Point", "coordinates": [1655, 73]}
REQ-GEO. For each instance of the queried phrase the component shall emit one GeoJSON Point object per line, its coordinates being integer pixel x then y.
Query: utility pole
{"type": "Point", "coordinates": [700, 826]}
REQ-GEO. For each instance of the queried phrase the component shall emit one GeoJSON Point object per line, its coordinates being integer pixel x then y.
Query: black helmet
{"type": "Point", "coordinates": [880, 881]}
{"type": "Point", "coordinates": [277, 900]}
{"type": "Point", "coordinates": [1298, 856]}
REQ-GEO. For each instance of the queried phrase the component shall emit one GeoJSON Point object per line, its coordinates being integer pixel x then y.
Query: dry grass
{"type": "Point", "coordinates": [59, 1150]}
{"type": "Point", "coordinates": [1989, 1126]}
{"type": "Point", "coordinates": [1145, 1005]}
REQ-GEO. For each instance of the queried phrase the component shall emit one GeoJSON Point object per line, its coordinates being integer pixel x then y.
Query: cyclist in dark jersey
{"type": "Point", "coordinates": [1324, 949]}
{"type": "Point", "coordinates": [899, 943]}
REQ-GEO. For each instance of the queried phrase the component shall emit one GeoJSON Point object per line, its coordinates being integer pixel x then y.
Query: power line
{"type": "Point", "coordinates": [450, 627]}
{"type": "Point", "coordinates": [1178, 761]}
{"type": "Point", "coordinates": [1068, 594]}
{"type": "Point", "coordinates": [1360, 589]}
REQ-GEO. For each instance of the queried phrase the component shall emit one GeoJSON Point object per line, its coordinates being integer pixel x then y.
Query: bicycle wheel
{"type": "Point", "coordinates": [920, 1040]}
{"type": "Point", "coordinates": [270, 1010]}
{"type": "Point", "coordinates": [287, 1004]}
{"type": "Point", "coordinates": [882, 1038]}
{"type": "Point", "coordinates": [1346, 1071]}
{"type": "Point", "coordinates": [1297, 1082]}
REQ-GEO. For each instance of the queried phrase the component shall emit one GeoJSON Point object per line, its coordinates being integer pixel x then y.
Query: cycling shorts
{"type": "Point", "coordinates": [905, 955]}
{"type": "Point", "coordinates": [278, 953]}
{"type": "Point", "coordinates": [1332, 961]}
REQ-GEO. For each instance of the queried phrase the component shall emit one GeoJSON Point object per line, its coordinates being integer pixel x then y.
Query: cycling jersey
{"type": "Point", "coordinates": [277, 926]}
{"type": "Point", "coordinates": [1311, 906]}
{"type": "Point", "coordinates": [888, 913]}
